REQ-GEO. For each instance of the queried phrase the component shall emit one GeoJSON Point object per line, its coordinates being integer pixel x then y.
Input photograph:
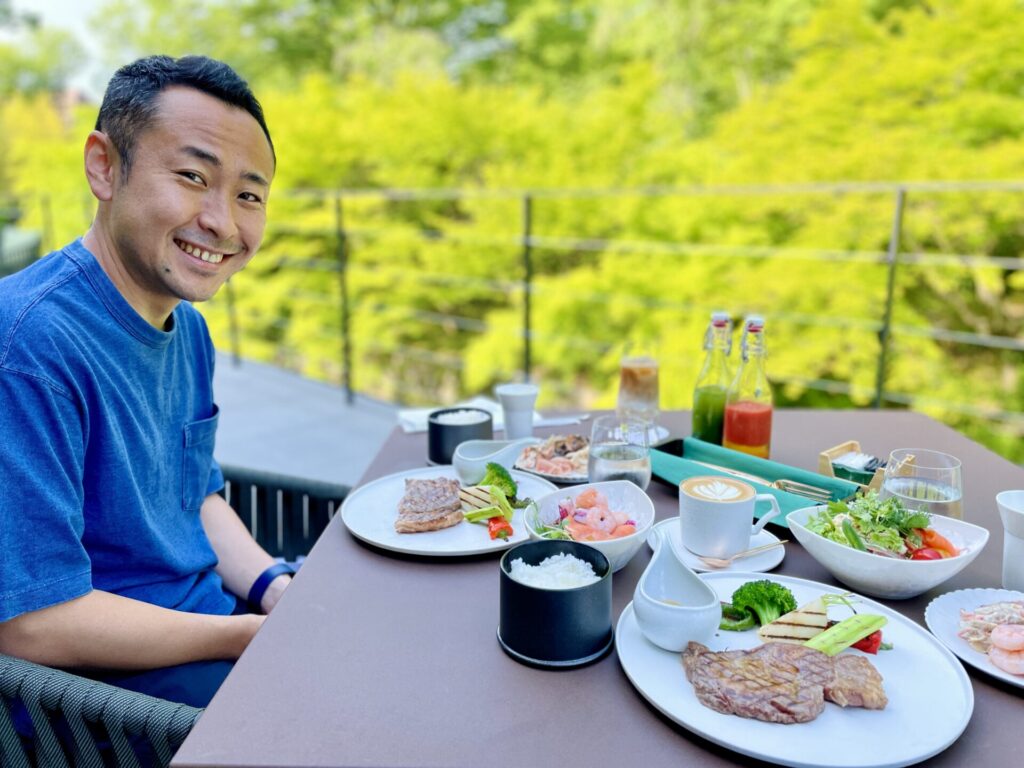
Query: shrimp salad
{"type": "Point", "coordinates": [588, 517]}
{"type": "Point", "coordinates": [997, 630]}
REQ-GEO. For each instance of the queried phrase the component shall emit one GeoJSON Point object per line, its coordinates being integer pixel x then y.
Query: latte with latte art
{"type": "Point", "coordinates": [716, 489]}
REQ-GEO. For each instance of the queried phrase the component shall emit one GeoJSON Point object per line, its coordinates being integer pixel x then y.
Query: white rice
{"type": "Point", "coordinates": [460, 417]}
{"type": "Point", "coordinates": [561, 571]}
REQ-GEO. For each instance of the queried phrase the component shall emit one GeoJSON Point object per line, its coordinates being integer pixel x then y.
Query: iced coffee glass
{"type": "Point", "coordinates": [638, 384]}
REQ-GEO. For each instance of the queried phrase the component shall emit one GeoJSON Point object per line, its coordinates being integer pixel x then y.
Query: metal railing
{"type": "Point", "coordinates": [343, 237]}
{"type": "Point", "coordinates": [892, 259]}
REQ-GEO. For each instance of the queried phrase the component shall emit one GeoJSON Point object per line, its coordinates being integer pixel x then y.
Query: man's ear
{"type": "Point", "coordinates": [102, 164]}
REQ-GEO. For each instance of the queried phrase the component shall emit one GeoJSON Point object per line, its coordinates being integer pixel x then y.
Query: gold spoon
{"type": "Point", "coordinates": [720, 562]}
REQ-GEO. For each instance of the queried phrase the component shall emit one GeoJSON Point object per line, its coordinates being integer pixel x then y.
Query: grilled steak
{"type": "Point", "coordinates": [429, 505]}
{"type": "Point", "coordinates": [780, 682]}
{"type": "Point", "coordinates": [777, 682]}
{"type": "Point", "coordinates": [858, 684]}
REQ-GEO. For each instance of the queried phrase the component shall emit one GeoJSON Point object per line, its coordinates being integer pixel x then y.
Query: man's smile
{"type": "Point", "coordinates": [199, 252]}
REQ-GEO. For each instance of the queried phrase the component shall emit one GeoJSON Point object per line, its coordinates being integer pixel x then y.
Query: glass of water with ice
{"type": "Point", "coordinates": [925, 480]}
{"type": "Point", "coordinates": [619, 450]}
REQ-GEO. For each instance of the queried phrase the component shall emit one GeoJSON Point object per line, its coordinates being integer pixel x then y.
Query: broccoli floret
{"type": "Point", "coordinates": [736, 619]}
{"type": "Point", "coordinates": [499, 476]}
{"type": "Point", "coordinates": [765, 598]}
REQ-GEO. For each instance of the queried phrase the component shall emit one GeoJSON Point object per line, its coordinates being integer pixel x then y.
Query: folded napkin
{"type": "Point", "coordinates": [415, 419]}
{"type": "Point", "coordinates": [674, 469]}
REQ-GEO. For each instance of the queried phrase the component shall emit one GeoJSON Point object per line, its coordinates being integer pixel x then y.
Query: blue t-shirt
{"type": "Point", "coordinates": [106, 444]}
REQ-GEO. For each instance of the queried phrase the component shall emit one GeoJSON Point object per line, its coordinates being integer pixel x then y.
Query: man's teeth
{"type": "Point", "coordinates": [213, 258]}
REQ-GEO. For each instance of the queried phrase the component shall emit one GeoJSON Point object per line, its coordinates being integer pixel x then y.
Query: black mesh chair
{"type": "Point", "coordinates": [285, 514]}
{"type": "Point", "coordinates": [82, 722]}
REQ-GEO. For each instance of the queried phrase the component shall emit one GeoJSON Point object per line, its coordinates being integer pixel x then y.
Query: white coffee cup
{"type": "Point", "coordinates": [517, 402]}
{"type": "Point", "coordinates": [1011, 510]}
{"type": "Point", "coordinates": [715, 514]}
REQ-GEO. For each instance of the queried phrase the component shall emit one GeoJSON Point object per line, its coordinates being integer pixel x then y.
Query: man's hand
{"type": "Point", "coordinates": [106, 631]}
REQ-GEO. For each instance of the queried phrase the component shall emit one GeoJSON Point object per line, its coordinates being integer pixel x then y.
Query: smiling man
{"type": "Point", "coordinates": [117, 556]}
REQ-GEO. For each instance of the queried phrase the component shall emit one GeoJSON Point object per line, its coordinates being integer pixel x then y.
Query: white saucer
{"type": "Point", "coordinates": [657, 434]}
{"type": "Point", "coordinates": [762, 561]}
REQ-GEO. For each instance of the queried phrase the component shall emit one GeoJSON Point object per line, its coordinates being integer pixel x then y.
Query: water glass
{"type": "Point", "coordinates": [619, 451]}
{"type": "Point", "coordinates": [924, 480]}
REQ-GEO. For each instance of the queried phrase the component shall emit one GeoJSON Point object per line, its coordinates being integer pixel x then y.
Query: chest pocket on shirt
{"type": "Point", "coordinates": [197, 460]}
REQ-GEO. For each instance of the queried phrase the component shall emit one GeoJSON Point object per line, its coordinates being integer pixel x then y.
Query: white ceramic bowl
{"type": "Point", "coordinates": [622, 496]}
{"type": "Point", "coordinates": [887, 577]}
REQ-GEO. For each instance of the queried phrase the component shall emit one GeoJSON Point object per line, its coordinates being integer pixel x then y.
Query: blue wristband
{"type": "Point", "coordinates": [259, 586]}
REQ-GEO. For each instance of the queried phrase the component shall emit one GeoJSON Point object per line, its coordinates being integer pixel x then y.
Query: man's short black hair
{"type": "Point", "coordinates": [129, 104]}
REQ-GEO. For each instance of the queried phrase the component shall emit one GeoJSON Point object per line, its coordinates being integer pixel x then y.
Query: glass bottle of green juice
{"type": "Point", "coordinates": [713, 381]}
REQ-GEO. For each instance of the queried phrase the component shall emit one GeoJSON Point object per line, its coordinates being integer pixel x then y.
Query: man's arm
{"type": "Point", "coordinates": [107, 631]}
{"type": "Point", "coordinates": [240, 559]}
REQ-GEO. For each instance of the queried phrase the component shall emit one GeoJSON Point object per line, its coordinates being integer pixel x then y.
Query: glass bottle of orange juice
{"type": "Point", "coordinates": [748, 406]}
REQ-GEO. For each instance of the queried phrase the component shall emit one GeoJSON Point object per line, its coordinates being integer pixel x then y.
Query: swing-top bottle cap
{"type": "Point", "coordinates": [719, 319]}
{"type": "Point", "coordinates": [755, 323]}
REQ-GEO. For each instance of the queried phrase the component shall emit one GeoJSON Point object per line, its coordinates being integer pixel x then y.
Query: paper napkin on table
{"type": "Point", "coordinates": [415, 419]}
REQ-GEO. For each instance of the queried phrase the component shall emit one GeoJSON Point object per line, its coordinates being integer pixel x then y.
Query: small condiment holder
{"type": "Point", "coordinates": [825, 459]}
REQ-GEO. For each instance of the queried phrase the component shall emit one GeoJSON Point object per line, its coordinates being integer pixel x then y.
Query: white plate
{"type": "Point", "coordinates": [762, 561]}
{"type": "Point", "coordinates": [369, 513]}
{"type": "Point", "coordinates": [563, 479]}
{"type": "Point", "coordinates": [943, 618]}
{"type": "Point", "coordinates": [930, 695]}
{"type": "Point", "coordinates": [656, 435]}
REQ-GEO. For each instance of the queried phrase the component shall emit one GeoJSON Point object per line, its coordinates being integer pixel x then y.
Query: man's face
{"type": "Point", "coordinates": [193, 208]}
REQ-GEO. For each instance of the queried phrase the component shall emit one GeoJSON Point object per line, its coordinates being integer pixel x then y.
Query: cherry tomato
{"type": "Point", "coordinates": [927, 553]}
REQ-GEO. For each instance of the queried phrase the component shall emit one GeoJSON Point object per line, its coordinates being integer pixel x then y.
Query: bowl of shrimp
{"type": "Point", "coordinates": [614, 517]}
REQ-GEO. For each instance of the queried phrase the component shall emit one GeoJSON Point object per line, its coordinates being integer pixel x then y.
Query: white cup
{"type": "Point", "coordinates": [715, 514]}
{"type": "Point", "coordinates": [1011, 510]}
{"type": "Point", "coordinates": [517, 401]}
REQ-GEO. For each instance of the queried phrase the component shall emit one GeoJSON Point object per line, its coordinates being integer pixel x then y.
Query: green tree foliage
{"type": "Point", "coordinates": [33, 61]}
{"type": "Point", "coordinates": [555, 94]}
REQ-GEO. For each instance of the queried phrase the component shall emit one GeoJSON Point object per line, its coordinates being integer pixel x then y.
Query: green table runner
{"type": "Point", "coordinates": [674, 469]}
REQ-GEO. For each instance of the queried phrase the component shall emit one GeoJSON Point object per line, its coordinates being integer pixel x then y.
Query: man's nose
{"type": "Point", "coordinates": [217, 217]}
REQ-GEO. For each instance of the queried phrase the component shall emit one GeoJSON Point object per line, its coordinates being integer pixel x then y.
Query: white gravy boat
{"type": "Point", "coordinates": [472, 457]}
{"type": "Point", "coordinates": [673, 605]}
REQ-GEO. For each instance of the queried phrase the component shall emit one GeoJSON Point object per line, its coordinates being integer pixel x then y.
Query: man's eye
{"type": "Point", "coordinates": [192, 176]}
{"type": "Point", "coordinates": [249, 197]}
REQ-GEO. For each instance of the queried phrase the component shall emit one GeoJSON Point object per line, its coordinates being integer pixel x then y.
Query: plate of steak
{"type": "Point", "coordinates": [790, 705]}
{"type": "Point", "coordinates": [418, 512]}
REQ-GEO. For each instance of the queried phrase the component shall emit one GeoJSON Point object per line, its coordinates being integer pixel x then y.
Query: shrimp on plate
{"type": "Point", "coordinates": [1009, 637]}
{"type": "Point", "coordinates": [1008, 661]}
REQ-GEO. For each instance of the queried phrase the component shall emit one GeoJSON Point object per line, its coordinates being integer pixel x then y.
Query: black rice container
{"type": "Point", "coordinates": [555, 628]}
{"type": "Point", "coordinates": [443, 439]}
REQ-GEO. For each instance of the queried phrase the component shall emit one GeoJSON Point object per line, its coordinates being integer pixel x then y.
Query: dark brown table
{"type": "Point", "coordinates": [378, 659]}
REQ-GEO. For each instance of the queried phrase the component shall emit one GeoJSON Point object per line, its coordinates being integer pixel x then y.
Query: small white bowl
{"type": "Point", "coordinates": [623, 496]}
{"type": "Point", "coordinates": [888, 577]}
